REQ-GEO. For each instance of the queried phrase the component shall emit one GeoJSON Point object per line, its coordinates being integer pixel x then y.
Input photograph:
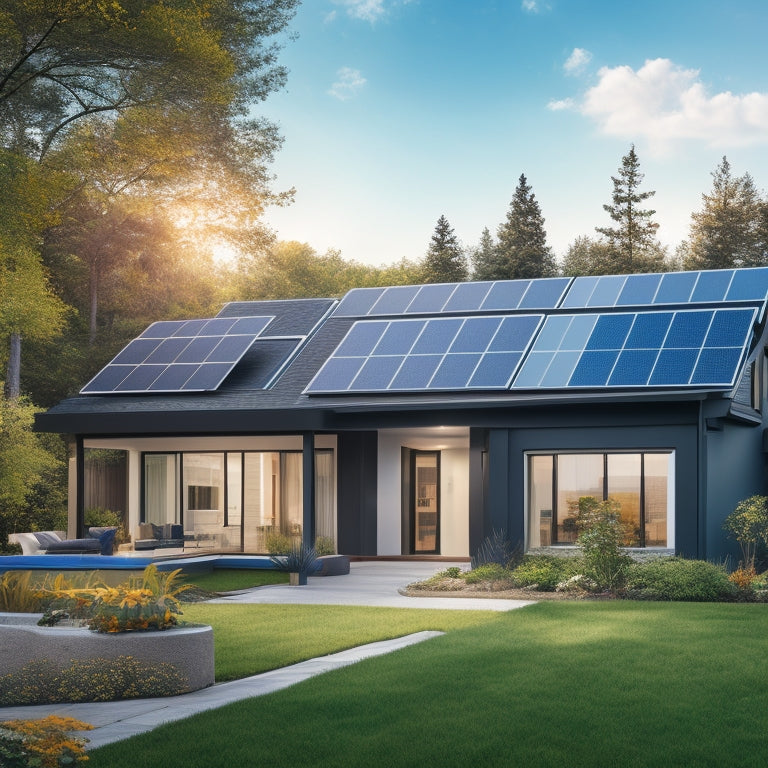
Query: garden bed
{"type": "Point", "coordinates": [181, 658]}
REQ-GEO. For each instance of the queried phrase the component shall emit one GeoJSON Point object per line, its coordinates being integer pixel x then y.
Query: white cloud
{"type": "Point", "coordinates": [367, 10]}
{"type": "Point", "coordinates": [577, 62]}
{"type": "Point", "coordinates": [561, 105]}
{"type": "Point", "coordinates": [662, 102]}
{"type": "Point", "coordinates": [349, 82]}
{"type": "Point", "coordinates": [534, 6]}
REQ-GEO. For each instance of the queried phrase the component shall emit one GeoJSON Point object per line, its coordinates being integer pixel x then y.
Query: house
{"type": "Point", "coordinates": [417, 420]}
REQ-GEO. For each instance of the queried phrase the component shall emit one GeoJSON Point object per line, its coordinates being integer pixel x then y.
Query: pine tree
{"type": "Point", "coordinates": [522, 250]}
{"type": "Point", "coordinates": [445, 261]}
{"type": "Point", "coordinates": [633, 246]}
{"type": "Point", "coordinates": [728, 231]}
{"type": "Point", "coordinates": [485, 258]}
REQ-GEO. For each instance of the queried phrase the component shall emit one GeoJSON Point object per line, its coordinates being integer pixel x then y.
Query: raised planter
{"type": "Point", "coordinates": [188, 649]}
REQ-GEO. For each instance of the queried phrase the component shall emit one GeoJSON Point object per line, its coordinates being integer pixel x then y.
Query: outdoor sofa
{"type": "Point", "coordinates": [100, 541]}
{"type": "Point", "coordinates": [153, 536]}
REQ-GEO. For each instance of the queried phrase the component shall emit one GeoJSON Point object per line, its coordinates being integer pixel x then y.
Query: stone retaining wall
{"type": "Point", "coordinates": [188, 649]}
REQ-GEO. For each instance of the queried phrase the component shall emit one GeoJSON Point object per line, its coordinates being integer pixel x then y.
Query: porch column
{"type": "Point", "coordinates": [79, 486]}
{"type": "Point", "coordinates": [308, 456]}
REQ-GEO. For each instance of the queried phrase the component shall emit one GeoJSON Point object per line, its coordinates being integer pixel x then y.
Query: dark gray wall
{"type": "Point", "coordinates": [604, 429]}
{"type": "Point", "coordinates": [734, 455]}
{"type": "Point", "coordinates": [356, 515]}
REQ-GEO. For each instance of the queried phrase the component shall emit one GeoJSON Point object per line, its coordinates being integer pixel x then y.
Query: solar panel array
{"type": "Point", "coordinates": [179, 356]}
{"type": "Point", "coordinates": [713, 286]}
{"type": "Point", "coordinates": [460, 298]}
{"type": "Point", "coordinates": [444, 353]}
{"type": "Point", "coordinates": [678, 329]}
{"type": "Point", "coordinates": [682, 348]}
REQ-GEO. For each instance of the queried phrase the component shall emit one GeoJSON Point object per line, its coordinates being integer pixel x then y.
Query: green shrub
{"type": "Point", "coordinates": [324, 545]}
{"type": "Point", "coordinates": [487, 572]}
{"type": "Point", "coordinates": [748, 524]}
{"type": "Point", "coordinates": [277, 543]}
{"type": "Point", "coordinates": [675, 578]}
{"type": "Point", "coordinates": [123, 677]}
{"type": "Point", "coordinates": [454, 572]}
{"type": "Point", "coordinates": [497, 548]}
{"type": "Point", "coordinates": [601, 538]}
{"type": "Point", "coordinates": [545, 572]}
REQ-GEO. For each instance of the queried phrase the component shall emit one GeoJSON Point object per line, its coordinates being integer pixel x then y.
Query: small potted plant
{"type": "Point", "coordinates": [299, 562]}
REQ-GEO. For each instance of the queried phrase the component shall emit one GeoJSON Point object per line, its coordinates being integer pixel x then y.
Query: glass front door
{"type": "Point", "coordinates": [425, 502]}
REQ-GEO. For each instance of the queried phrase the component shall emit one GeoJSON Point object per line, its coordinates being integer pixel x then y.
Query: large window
{"type": "Point", "coordinates": [641, 483]}
{"type": "Point", "coordinates": [235, 500]}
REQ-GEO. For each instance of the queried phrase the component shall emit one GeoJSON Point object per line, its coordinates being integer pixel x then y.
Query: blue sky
{"type": "Point", "coordinates": [398, 111]}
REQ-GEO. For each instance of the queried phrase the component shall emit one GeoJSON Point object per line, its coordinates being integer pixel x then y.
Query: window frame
{"type": "Point", "coordinates": [669, 452]}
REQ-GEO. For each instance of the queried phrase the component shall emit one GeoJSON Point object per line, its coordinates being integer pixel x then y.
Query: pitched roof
{"type": "Point", "coordinates": [459, 346]}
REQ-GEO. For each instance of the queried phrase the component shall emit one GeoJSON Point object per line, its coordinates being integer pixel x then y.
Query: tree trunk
{"type": "Point", "coordinates": [13, 374]}
{"type": "Point", "coordinates": [93, 290]}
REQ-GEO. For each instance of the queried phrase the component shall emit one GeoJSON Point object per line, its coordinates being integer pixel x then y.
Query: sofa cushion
{"type": "Point", "coordinates": [105, 537]}
{"type": "Point", "coordinates": [45, 538]}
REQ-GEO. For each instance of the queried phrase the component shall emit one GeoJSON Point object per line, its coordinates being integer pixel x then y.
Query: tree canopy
{"type": "Point", "coordinates": [445, 261]}
{"type": "Point", "coordinates": [522, 250]}
{"type": "Point", "coordinates": [729, 229]}
{"type": "Point", "coordinates": [632, 242]}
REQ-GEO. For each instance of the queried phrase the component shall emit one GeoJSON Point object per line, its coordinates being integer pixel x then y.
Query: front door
{"type": "Point", "coordinates": [425, 502]}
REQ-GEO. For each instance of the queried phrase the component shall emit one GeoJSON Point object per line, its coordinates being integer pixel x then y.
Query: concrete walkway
{"type": "Point", "coordinates": [368, 583]}
{"type": "Point", "coordinates": [116, 720]}
{"type": "Point", "coordinates": [372, 582]}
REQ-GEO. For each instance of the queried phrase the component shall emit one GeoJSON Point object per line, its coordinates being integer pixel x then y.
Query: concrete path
{"type": "Point", "coordinates": [116, 720]}
{"type": "Point", "coordinates": [372, 583]}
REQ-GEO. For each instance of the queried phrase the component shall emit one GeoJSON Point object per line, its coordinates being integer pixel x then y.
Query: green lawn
{"type": "Point", "coordinates": [232, 579]}
{"type": "Point", "coordinates": [255, 638]}
{"type": "Point", "coordinates": [556, 684]}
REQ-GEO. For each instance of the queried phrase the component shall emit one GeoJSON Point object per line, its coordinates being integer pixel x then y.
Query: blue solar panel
{"type": "Point", "coordinates": [495, 370]}
{"type": "Point", "coordinates": [683, 348]}
{"type": "Point", "coordinates": [681, 288]}
{"type": "Point", "coordinates": [179, 356]}
{"type": "Point", "coordinates": [633, 368]}
{"type": "Point", "coordinates": [607, 291]}
{"type": "Point", "coordinates": [443, 353]}
{"type": "Point", "coordinates": [468, 297]}
{"type": "Point", "coordinates": [579, 292]}
{"type": "Point", "coordinates": [454, 372]}
{"type": "Point", "coordinates": [749, 285]}
{"type": "Point", "coordinates": [544, 293]}
{"type": "Point", "coordinates": [416, 372]}
{"type": "Point", "coordinates": [505, 294]}
{"type": "Point", "coordinates": [358, 302]}
{"type": "Point", "coordinates": [638, 290]}
{"type": "Point", "coordinates": [437, 336]}
{"type": "Point", "coordinates": [431, 298]}
{"type": "Point", "coordinates": [394, 301]}
{"type": "Point", "coordinates": [676, 288]}
{"type": "Point", "coordinates": [712, 286]}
